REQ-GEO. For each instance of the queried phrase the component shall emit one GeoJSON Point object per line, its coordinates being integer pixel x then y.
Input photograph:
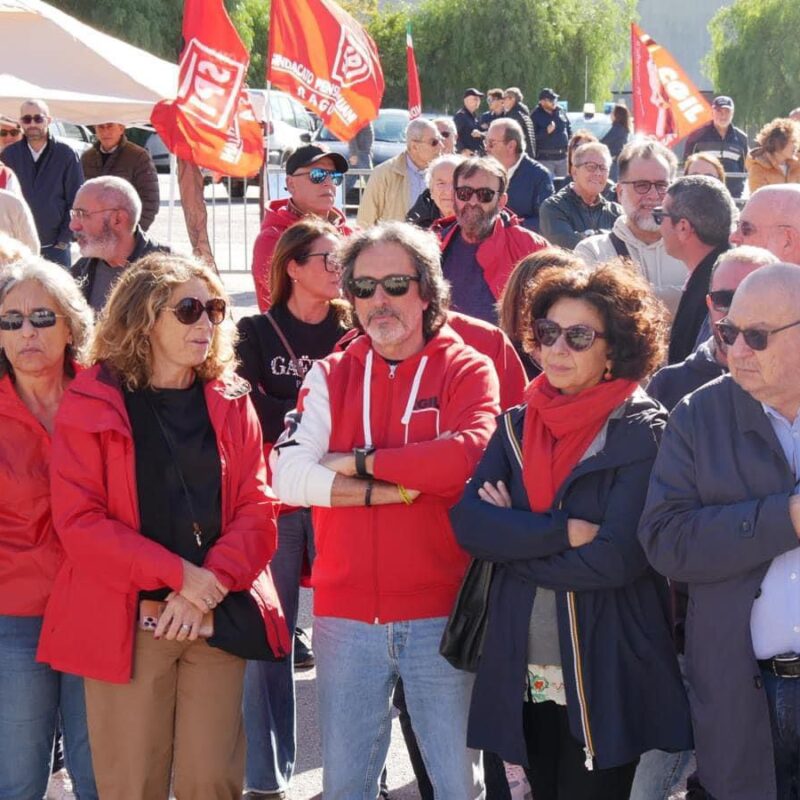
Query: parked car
{"type": "Point", "coordinates": [597, 124]}
{"type": "Point", "coordinates": [390, 136]}
{"type": "Point", "coordinates": [78, 137]}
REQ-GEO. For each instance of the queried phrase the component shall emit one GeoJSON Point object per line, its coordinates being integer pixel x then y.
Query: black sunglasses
{"type": "Point", "coordinates": [643, 187]}
{"type": "Point", "coordinates": [445, 134]}
{"type": "Point", "coordinates": [5, 132]}
{"type": "Point", "coordinates": [484, 194]}
{"type": "Point", "coordinates": [577, 337]}
{"type": "Point", "coordinates": [190, 309]}
{"type": "Point", "coordinates": [393, 285]}
{"type": "Point", "coordinates": [28, 118]}
{"type": "Point", "coordinates": [659, 214]}
{"type": "Point", "coordinates": [432, 142]}
{"type": "Point", "coordinates": [755, 338]}
{"type": "Point", "coordinates": [319, 174]}
{"type": "Point", "coordinates": [39, 318]}
{"type": "Point", "coordinates": [722, 299]}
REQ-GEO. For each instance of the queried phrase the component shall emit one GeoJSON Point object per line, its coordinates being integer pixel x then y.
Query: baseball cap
{"type": "Point", "coordinates": [473, 93]}
{"type": "Point", "coordinates": [548, 94]}
{"type": "Point", "coordinates": [723, 101]}
{"type": "Point", "coordinates": [310, 154]}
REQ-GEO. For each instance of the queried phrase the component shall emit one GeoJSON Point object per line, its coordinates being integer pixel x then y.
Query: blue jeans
{"type": "Point", "coordinates": [357, 667]}
{"type": "Point", "coordinates": [32, 698]}
{"type": "Point", "coordinates": [269, 697]}
{"type": "Point", "coordinates": [783, 697]}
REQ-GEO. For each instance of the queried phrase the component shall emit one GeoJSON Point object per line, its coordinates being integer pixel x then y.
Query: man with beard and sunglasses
{"type": "Point", "coordinates": [312, 176]}
{"type": "Point", "coordinates": [481, 245]}
{"type": "Point", "coordinates": [50, 174]}
{"type": "Point", "coordinates": [105, 224]}
{"type": "Point", "coordinates": [384, 437]}
{"type": "Point", "coordinates": [723, 515]}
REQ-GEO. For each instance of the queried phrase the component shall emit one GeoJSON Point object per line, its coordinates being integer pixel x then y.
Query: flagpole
{"type": "Point", "coordinates": [264, 194]}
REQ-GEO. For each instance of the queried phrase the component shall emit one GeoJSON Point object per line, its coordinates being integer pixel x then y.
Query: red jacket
{"type": "Point", "coordinates": [30, 553]}
{"type": "Point", "coordinates": [390, 562]}
{"type": "Point", "coordinates": [90, 619]}
{"type": "Point", "coordinates": [281, 214]}
{"type": "Point", "coordinates": [498, 253]}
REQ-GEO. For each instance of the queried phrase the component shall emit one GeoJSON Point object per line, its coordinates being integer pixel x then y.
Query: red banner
{"type": "Point", "coordinates": [414, 92]}
{"type": "Point", "coordinates": [666, 104]}
{"type": "Point", "coordinates": [211, 122]}
{"type": "Point", "coordinates": [323, 57]}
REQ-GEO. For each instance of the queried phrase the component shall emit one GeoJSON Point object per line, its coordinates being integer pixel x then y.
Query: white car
{"type": "Point", "coordinates": [78, 137]}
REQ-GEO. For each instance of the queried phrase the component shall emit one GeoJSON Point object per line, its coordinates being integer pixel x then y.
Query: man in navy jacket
{"type": "Point", "coordinates": [530, 184]}
{"type": "Point", "coordinates": [50, 175]}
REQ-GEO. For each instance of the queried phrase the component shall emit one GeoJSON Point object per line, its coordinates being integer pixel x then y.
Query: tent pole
{"type": "Point", "coordinates": [172, 171]}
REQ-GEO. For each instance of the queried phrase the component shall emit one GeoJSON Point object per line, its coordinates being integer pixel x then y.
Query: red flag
{"type": "Point", "coordinates": [324, 58]}
{"type": "Point", "coordinates": [666, 103]}
{"type": "Point", "coordinates": [414, 92]}
{"type": "Point", "coordinates": [211, 122]}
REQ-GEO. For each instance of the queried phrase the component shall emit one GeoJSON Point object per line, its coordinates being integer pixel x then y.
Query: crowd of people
{"type": "Point", "coordinates": [535, 452]}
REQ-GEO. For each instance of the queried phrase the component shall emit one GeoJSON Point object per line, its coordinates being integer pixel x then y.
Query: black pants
{"type": "Point", "coordinates": [557, 769]}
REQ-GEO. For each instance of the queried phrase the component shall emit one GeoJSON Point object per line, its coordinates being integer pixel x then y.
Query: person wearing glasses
{"type": "Point", "coordinates": [161, 504]}
{"type": "Point", "coordinates": [577, 675]}
{"type": "Point", "coordinates": [395, 185]}
{"type": "Point", "coordinates": [105, 223]}
{"type": "Point", "coordinates": [313, 176]}
{"type": "Point", "coordinates": [580, 210]}
{"type": "Point", "coordinates": [386, 434]}
{"type": "Point", "coordinates": [276, 349]}
{"type": "Point", "coordinates": [50, 174]}
{"type": "Point", "coordinates": [646, 169]}
{"type": "Point", "coordinates": [436, 202]}
{"type": "Point", "coordinates": [45, 325]}
{"type": "Point", "coordinates": [723, 515]}
{"type": "Point", "coordinates": [771, 219]}
{"type": "Point", "coordinates": [447, 130]}
{"type": "Point", "coordinates": [10, 132]}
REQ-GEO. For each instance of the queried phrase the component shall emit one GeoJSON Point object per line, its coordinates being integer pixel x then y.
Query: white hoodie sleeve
{"type": "Point", "coordinates": [298, 477]}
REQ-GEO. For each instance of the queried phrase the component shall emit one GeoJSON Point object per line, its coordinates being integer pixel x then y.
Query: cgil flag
{"type": "Point", "coordinates": [666, 104]}
{"type": "Point", "coordinates": [211, 122]}
{"type": "Point", "coordinates": [323, 57]}
{"type": "Point", "coordinates": [414, 92]}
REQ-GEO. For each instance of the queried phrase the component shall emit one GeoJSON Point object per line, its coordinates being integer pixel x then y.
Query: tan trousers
{"type": "Point", "coordinates": [181, 715]}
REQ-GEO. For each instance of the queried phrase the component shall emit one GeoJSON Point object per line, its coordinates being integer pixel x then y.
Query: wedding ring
{"type": "Point", "coordinates": [186, 627]}
{"type": "Point", "coordinates": [209, 603]}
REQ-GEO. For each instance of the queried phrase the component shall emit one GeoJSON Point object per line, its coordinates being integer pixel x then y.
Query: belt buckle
{"type": "Point", "coordinates": [785, 660]}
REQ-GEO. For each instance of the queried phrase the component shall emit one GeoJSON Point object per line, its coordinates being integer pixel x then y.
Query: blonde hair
{"type": "Point", "coordinates": [122, 337]}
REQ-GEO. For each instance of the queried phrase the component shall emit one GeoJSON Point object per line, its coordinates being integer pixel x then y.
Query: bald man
{"type": "Point", "coordinates": [771, 219]}
{"type": "Point", "coordinates": [723, 515]}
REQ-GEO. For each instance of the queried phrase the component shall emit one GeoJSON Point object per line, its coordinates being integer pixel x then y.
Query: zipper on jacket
{"type": "Point", "coordinates": [588, 750]}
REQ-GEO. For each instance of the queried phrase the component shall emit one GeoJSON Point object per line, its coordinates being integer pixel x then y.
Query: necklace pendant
{"type": "Point", "coordinates": [197, 534]}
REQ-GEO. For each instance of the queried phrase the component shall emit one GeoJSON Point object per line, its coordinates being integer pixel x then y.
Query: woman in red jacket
{"type": "Point", "coordinates": [44, 329]}
{"type": "Point", "coordinates": [161, 504]}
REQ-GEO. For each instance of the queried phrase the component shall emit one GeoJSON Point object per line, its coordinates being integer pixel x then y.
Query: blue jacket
{"type": "Point", "coordinates": [530, 186]}
{"type": "Point", "coordinates": [551, 146]}
{"type": "Point", "coordinates": [623, 687]}
{"type": "Point", "coordinates": [49, 190]}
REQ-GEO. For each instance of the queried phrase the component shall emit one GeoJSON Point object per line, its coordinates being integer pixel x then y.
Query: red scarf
{"type": "Point", "coordinates": [558, 430]}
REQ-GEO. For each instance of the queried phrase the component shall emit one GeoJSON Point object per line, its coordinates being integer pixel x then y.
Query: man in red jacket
{"type": "Point", "coordinates": [312, 175]}
{"type": "Point", "coordinates": [483, 242]}
{"type": "Point", "coordinates": [385, 435]}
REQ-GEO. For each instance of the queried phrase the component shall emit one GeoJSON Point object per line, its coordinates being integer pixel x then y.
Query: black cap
{"type": "Point", "coordinates": [310, 154]}
{"type": "Point", "coordinates": [723, 101]}
{"type": "Point", "coordinates": [548, 94]}
{"type": "Point", "coordinates": [471, 92]}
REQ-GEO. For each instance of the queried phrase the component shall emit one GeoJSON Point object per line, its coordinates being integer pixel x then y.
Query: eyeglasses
{"type": "Point", "coordinates": [393, 285]}
{"type": "Point", "coordinates": [27, 119]}
{"type": "Point", "coordinates": [577, 337]}
{"type": "Point", "coordinates": [445, 134]}
{"type": "Point", "coordinates": [329, 261]}
{"type": "Point", "coordinates": [5, 132]}
{"type": "Point", "coordinates": [722, 299]}
{"type": "Point", "coordinates": [436, 142]}
{"type": "Point", "coordinates": [755, 338]}
{"type": "Point", "coordinates": [39, 318]}
{"type": "Point", "coordinates": [82, 213]}
{"type": "Point", "coordinates": [190, 309]}
{"type": "Point", "coordinates": [593, 167]}
{"type": "Point", "coordinates": [748, 229]}
{"type": "Point", "coordinates": [318, 175]}
{"type": "Point", "coordinates": [643, 187]}
{"type": "Point", "coordinates": [484, 194]}
{"type": "Point", "coordinates": [661, 212]}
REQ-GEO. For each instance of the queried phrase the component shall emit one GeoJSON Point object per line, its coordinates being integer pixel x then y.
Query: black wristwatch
{"type": "Point", "coordinates": [361, 454]}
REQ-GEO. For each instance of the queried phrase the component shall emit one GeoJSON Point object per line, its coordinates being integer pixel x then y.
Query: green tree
{"type": "Point", "coordinates": [751, 59]}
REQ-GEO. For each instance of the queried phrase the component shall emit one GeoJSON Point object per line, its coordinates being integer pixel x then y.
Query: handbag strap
{"type": "Point", "coordinates": [296, 363]}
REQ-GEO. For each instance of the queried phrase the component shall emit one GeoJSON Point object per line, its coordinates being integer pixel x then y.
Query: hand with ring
{"type": "Point", "coordinates": [209, 602]}
{"type": "Point", "coordinates": [179, 621]}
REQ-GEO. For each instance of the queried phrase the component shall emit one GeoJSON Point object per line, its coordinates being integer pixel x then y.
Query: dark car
{"type": "Point", "coordinates": [390, 136]}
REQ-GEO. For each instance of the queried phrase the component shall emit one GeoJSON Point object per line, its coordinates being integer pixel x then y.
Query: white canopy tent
{"type": "Point", "coordinates": [84, 75]}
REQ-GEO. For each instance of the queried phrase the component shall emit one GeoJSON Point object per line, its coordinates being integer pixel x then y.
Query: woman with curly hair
{"type": "Point", "coordinates": [774, 160]}
{"type": "Point", "coordinates": [577, 651]}
{"type": "Point", "coordinates": [161, 505]}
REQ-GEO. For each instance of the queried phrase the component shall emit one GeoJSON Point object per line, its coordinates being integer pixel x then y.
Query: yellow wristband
{"type": "Point", "coordinates": [404, 495]}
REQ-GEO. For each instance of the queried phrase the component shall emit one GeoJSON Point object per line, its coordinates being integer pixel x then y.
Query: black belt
{"type": "Point", "coordinates": [782, 666]}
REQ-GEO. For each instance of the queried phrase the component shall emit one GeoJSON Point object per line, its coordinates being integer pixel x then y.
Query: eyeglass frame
{"type": "Point", "coordinates": [594, 167]}
{"type": "Point", "coordinates": [650, 185]}
{"type": "Point", "coordinates": [725, 323]}
{"type": "Point", "coordinates": [81, 213]}
{"type": "Point", "coordinates": [336, 177]}
{"type": "Point", "coordinates": [659, 213]}
{"type": "Point", "coordinates": [33, 119]}
{"type": "Point", "coordinates": [338, 267]}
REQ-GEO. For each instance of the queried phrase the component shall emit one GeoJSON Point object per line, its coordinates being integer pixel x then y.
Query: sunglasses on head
{"type": "Point", "coordinates": [39, 318]}
{"type": "Point", "coordinates": [319, 174]}
{"type": "Point", "coordinates": [5, 132]}
{"type": "Point", "coordinates": [755, 338]}
{"type": "Point", "coordinates": [722, 299]}
{"type": "Point", "coordinates": [27, 119]}
{"type": "Point", "coordinates": [577, 337]}
{"type": "Point", "coordinates": [484, 194]}
{"type": "Point", "coordinates": [393, 285]}
{"type": "Point", "coordinates": [190, 309]}
{"type": "Point", "coordinates": [643, 187]}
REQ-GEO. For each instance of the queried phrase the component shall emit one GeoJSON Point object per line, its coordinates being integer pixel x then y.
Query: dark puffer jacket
{"type": "Point", "coordinates": [522, 115]}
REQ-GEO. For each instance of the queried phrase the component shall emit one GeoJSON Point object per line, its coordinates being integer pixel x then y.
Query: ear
{"type": "Point", "coordinates": [292, 268]}
{"type": "Point", "coordinates": [618, 192]}
{"type": "Point", "coordinates": [709, 304]}
{"type": "Point", "coordinates": [502, 200]}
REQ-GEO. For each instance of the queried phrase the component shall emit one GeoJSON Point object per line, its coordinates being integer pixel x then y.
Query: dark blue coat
{"type": "Point", "coordinates": [623, 687]}
{"type": "Point", "coordinates": [551, 146]}
{"type": "Point", "coordinates": [531, 185]}
{"type": "Point", "coordinates": [49, 190]}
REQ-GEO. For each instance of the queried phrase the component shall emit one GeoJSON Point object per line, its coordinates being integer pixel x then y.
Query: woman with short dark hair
{"type": "Point", "coordinates": [577, 650]}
